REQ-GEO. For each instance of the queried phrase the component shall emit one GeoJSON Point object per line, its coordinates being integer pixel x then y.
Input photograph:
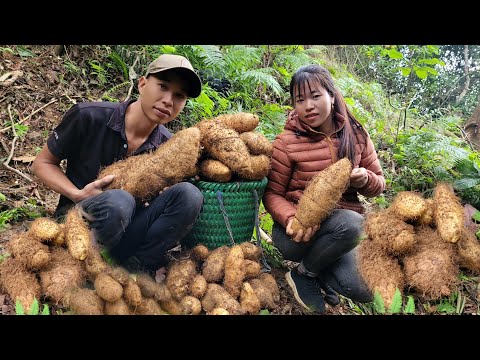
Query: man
{"type": "Point", "coordinates": [94, 135]}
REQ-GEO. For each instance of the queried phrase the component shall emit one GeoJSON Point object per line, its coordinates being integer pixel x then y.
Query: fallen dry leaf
{"type": "Point", "coordinates": [24, 158]}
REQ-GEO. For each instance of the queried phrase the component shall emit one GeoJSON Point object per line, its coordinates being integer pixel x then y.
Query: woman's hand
{"type": "Point", "coordinates": [94, 188]}
{"type": "Point", "coordinates": [358, 177]}
{"type": "Point", "coordinates": [300, 236]}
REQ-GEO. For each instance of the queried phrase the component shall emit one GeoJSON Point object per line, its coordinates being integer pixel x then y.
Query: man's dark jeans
{"type": "Point", "coordinates": [144, 232]}
{"type": "Point", "coordinates": [331, 254]}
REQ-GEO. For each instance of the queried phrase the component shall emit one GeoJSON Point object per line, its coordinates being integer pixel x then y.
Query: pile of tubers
{"type": "Point", "coordinates": [61, 264]}
{"type": "Point", "coordinates": [215, 149]}
{"type": "Point", "coordinates": [418, 244]}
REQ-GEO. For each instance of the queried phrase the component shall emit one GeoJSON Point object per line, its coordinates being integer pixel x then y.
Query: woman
{"type": "Point", "coordinates": [319, 131]}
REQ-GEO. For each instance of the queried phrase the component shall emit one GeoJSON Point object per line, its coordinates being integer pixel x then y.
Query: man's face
{"type": "Point", "coordinates": [162, 97]}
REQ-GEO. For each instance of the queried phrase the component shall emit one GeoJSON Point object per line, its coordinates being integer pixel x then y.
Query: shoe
{"type": "Point", "coordinates": [331, 297]}
{"type": "Point", "coordinates": [307, 291]}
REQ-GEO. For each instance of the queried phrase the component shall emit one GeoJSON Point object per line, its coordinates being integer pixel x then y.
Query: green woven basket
{"type": "Point", "coordinates": [238, 200]}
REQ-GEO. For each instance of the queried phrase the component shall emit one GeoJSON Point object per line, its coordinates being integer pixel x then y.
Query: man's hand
{"type": "Point", "coordinates": [358, 177]}
{"type": "Point", "coordinates": [94, 188]}
{"type": "Point", "coordinates": [300, 236]}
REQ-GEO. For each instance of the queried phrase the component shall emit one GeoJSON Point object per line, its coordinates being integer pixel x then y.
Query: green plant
{"type": "Point", "coordinates": [272, 254]}
{"type": "Point", "coordinates": [396, 307]}
{"type": "Point", "coordinates": [29, 211]}
{"type": "Point", "coordinates": [21, 130]}
{"type": "Point", "coordinates": [34, 309]}
{"type": "Point", "coordinates": [98, 71]}
{"type": "Point", "coordinates": [266, 221]}
{"type": "Point", "coordinates": [468, 184]}
{"type": "Point", "coordinates": [107, 257]}
{"type": "Point", "coordinates": [106, 95]}
{"type": "Point", "coordinates": [3, 257]}
{"type": "Point", "coordinates": [7, 49]}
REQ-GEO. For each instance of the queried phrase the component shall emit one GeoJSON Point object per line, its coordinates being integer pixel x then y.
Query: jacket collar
{"type": "Point", "coordinates": [300, 128]}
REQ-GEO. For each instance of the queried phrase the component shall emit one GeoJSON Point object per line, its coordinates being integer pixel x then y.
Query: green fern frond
{"type": "Point", "coordinates": [293, 61]}
{"type": "Point", "coordinates": [34, 308]}
{"type": "Point", "coordinates": [120, 64]}
{"type": "Point", "coordinates": [396, 305]}
{"type": "Point", "coordinates": [471, 195]}
{"type": "Point", "coordinates": [378, 303]}
{"type": "Point", "coordinates": [46, 310]}
{"type": "Point", "coordinates": [212, 56]}
{"type": "Point", "coordinates": [261, 76]}
{"type": "Point", "coordinates": [466, 183]}
{"type": "Point", "coordinates": [240, 57]}
{"type": "Point", "coordinates": [19, 310]}
{"type": "Point", "coordinates": [466, 167]}
{"type": "Point", "coordinates": [410, 307]}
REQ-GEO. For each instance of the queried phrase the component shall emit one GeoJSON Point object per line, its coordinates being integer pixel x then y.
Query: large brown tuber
{"type": "Point", "coordinates": [448, 215]}
{"type": "Point", "coordinates": [77, 234]}
{"type": "Point", "coordinates": [173, 161]}
{"type": "Point", "coordinates": [321, 195]}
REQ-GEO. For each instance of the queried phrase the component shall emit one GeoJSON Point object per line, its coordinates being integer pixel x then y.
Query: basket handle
{"type": "Point", "coordinates": [266, 267]}
{"type": "Point", "coordinates": [225, 216]}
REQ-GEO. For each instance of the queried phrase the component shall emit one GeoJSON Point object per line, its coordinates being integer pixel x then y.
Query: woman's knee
{"type": "Point", "coordinates": [349, 224]}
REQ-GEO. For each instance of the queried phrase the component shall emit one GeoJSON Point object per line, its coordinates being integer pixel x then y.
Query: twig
{"type": "Point", "coordinates": [13, 149]}
{"type": "Point", "coordinates": [264, 236]}
{"type": "Point", "coordinates": [29, 116]}
{"type": "Point", "coordinates": [465, 137]}
{"type": "Point", "coordinates": [132, 70]}
{"type": "Point", "coordinates": [71, 100]}
{"type": "Point", "coordinates": [37, 194]}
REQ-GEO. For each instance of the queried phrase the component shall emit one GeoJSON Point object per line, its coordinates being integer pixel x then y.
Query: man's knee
{"type": "Point", "coordinates": [120, 205]}
{"type": "Point", "coordinates": [109, 214]}
{"type": "Point", "coordinates": [191, 195]}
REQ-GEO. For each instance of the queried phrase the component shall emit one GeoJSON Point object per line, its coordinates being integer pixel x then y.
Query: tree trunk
{"type": "Point", "coordinates": [472, 128]}
{"type": "Point", "coordinates": [466, 71]}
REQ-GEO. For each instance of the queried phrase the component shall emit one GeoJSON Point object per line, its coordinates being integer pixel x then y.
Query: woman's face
{"type": "Point", "coordinates": [313, 105]}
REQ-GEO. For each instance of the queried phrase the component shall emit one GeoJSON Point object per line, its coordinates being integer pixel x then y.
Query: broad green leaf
{"type": "Point", "coordinates": [431, 70]}
{"type": "Point", "coordinates": [24, 52]}
{"type": "Point", "coordinates": [410, 307]}
{"type": "Point", "coordinates": [168, 49]}
{"type": "Point", "coordinates": [396, 305]}
{"type": "Point", "coordinates": [34, 308]}
{"type": "Point", "coordinates": [350, 101]}
{"type": "Point", "coordinates": [421, 73]}
{"type": "Point", "coordinates": [264, 312]}
{"type": "Point", "coordinates": [446, 307]}
{"type": "Point", "coordinates": [432, 61]}
{"type": "Point", "coordinates": [378, 303]}
{"type": "Point", "coordinates": [19, 310]}
{"type": "Point", "coordinates": [405, 71]}
{"type": "Point", "coordinates": [433, 49]}
{"type": "Point", "coordinates": [394, 54]}
{"type": "Point", "coordinates": [2, 197]}
{"type": "Point", "coordinates": [476, 216]}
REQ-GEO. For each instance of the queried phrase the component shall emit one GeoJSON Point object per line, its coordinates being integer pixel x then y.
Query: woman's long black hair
{"type": "Point", "coordinates": [311, 73]}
